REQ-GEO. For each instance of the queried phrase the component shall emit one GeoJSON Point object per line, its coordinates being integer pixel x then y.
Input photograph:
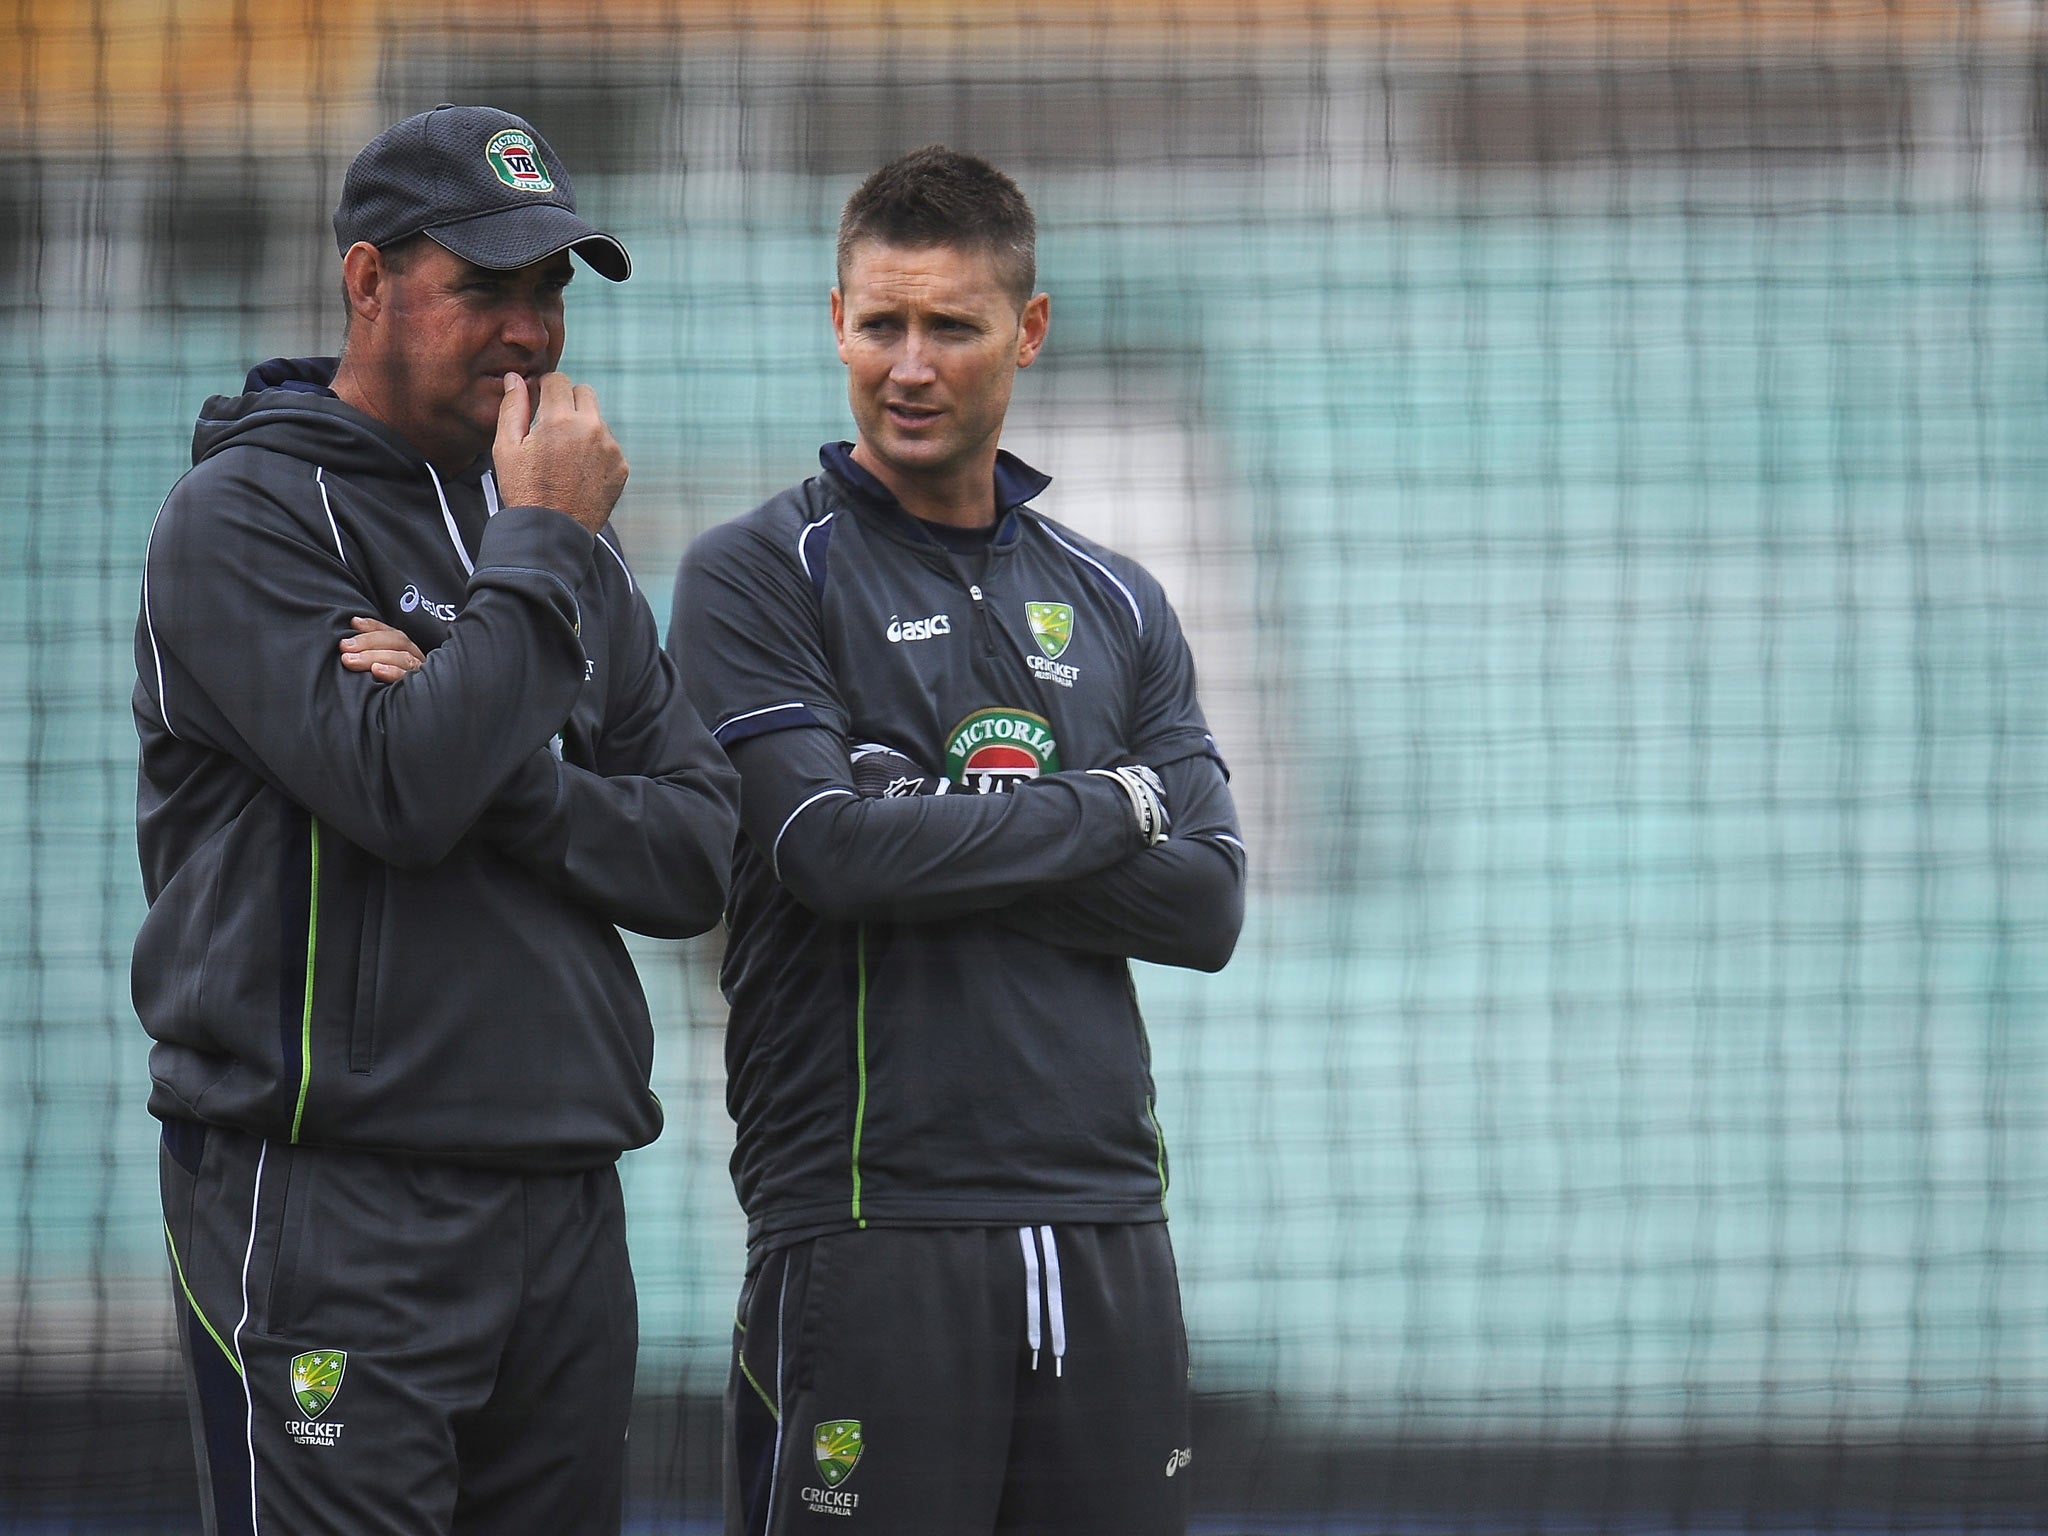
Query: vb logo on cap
{"type": "Point", "coordinates": [517, 163]}
{"type": "Point", "coordinates": [481, 182]}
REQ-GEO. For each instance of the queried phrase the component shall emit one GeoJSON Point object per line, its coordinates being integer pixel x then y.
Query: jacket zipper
{"type": "Point", "coordinates": [981, 621]}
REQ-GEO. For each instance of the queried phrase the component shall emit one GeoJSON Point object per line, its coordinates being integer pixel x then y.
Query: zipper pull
{"type": "Point", "coordinates": [988, 640]}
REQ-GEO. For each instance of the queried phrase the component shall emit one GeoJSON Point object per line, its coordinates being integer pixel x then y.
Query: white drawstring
{"type": "Point", "coordinates": [448, 517]}
{"type": "Point", "coordinates": [1055, 1301]}
{"type": "Point", "coordinates": [1030, 1293]}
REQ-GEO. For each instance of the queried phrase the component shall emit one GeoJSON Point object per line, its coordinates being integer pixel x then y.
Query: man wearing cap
{"type": "Point", "coordinates": [411, 756]}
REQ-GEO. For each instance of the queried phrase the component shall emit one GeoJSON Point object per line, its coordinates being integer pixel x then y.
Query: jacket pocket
{"type": "Point", "coordinates": [280, 1310]}
{"type": "Point", "coordinates": [362, 1029]}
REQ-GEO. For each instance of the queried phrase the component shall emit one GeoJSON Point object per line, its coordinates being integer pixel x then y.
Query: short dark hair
{"type": "Point", "coordinates": [939, 196]}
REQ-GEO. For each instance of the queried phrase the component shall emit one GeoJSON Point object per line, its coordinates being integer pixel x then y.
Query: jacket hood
{"type": "Point", "coordinates": [288, 407]}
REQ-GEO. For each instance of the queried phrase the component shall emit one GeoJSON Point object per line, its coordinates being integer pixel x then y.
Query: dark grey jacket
{"type": "Point", "coordinates": [932, 1015]}
{"type": "Point", "coordinates": [384, 916]}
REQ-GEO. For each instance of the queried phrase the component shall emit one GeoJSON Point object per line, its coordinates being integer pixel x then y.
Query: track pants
{"type": "Point", "coordinates": [376, 1345]}
{"type": "Point", "coordinates": [961, 1382]}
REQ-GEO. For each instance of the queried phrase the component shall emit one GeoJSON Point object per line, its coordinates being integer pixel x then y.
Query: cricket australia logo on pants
{"type": "Point", "coordinates": [836, 1445]}
{"type": "Point", "coordinates": [316, 1382]}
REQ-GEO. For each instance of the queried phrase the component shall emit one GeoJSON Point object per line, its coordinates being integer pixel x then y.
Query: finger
{"type": "Point", "coordinates": [384, 656]}
{"type": "Point", "coordinates": [585, 399]}
{"type": "Point", "coordinates": [374, 635]}
{"type": "Point", "coordinates": [514, 412]}
{"type": "Point", "coordinates": [556, 395]}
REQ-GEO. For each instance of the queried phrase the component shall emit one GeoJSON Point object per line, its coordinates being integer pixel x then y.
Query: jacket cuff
{"type": "Point", "coordinates": [537, 538]}
{"type": "Point", "coordinates": [1105, 805]}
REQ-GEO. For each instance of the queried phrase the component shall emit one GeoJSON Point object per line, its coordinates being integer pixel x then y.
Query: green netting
{"type": "Point", "coordinates": [1617, 577]}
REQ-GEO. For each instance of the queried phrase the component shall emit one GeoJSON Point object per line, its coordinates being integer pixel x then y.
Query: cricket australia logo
{"type": "Point", "coordinates": [316, 1382]}
{"type": "Point", "coordinates": [1052, 626]}
{"type": "Point", "coordinates": [516, 162]}
{"type": "Point", "coordinates": [992, 751]}
{"type": "Point", "coordinates": [836, 1445]}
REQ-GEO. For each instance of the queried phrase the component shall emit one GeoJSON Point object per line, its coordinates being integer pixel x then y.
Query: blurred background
{"type": "Point", "coordinates": [1600, 452]}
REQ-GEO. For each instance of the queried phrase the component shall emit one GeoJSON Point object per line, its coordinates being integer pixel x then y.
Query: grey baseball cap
{"type": "Point", "coordinates": [481, 182]}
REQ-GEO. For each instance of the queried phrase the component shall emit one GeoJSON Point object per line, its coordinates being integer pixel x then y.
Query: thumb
{"type": "Point", "coordinates": [514, 412]}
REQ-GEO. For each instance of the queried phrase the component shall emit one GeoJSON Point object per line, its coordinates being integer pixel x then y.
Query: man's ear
{"type": "Point", "coordinates": [1032, 326]}
{"type": "Point", "coordinates": [839, 322]}
{"type": "Point", "coordinates": [363, 279]}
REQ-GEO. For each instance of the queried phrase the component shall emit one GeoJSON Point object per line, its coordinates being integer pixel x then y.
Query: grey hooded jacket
{"type": "Point", "coordinates": [386, 917]}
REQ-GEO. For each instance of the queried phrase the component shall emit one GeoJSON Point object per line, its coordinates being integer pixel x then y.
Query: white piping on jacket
{"type": "Point", "coordinates": [802, 555]}
{"type": "Point", "coordinates": [163, 705]}
{"type": "Point", "coordinates": [775, 852]}
{"type": "Point", "coordinates": [320, 479]}
{"type": "Point", "coordinates": [1106, 571]}
{"type": "Point", "coordinates": [732, 720]}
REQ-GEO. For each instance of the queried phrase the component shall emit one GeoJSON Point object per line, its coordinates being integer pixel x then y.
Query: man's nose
{"type": "Point", "coordinates": [525, 327]}
{"type": "Point", "coordinates": [911, 365]}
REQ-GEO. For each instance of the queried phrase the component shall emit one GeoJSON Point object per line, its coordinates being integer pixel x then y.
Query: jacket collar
{"type": "Point", "coordinates": [300, 375]}
{"type": "Point", "coordinates": [290, 407]}
{"type": "Point", "coordinates": [1016, 484]}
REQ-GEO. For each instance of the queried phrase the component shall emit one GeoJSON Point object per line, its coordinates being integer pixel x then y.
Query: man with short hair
{"type": "Point", "coordinates": [975, 782]}
{"type": "Point", "coordinates": [411, 755]}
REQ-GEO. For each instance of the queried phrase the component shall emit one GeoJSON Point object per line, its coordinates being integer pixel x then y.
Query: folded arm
{"type": "Point", "coordinates": [745, 634]}
{"type": "Point", "coordinates": [245, 607]}
{"type": "Point", "coordinates": [923, 858]}
{"type": "Point", "coordinates": [1180, 903]}
{"type": "Point", "coordinates": [643, 833]}
{"type": "Point", "coordinates": [645, 838]}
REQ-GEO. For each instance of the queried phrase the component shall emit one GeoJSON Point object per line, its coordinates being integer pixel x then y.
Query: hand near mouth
{"type": "Point", "coordinates": [566, 458]}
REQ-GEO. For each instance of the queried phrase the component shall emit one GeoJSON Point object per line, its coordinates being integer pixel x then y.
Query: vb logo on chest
{"type": "Point", "coordinates": [994, 750]}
